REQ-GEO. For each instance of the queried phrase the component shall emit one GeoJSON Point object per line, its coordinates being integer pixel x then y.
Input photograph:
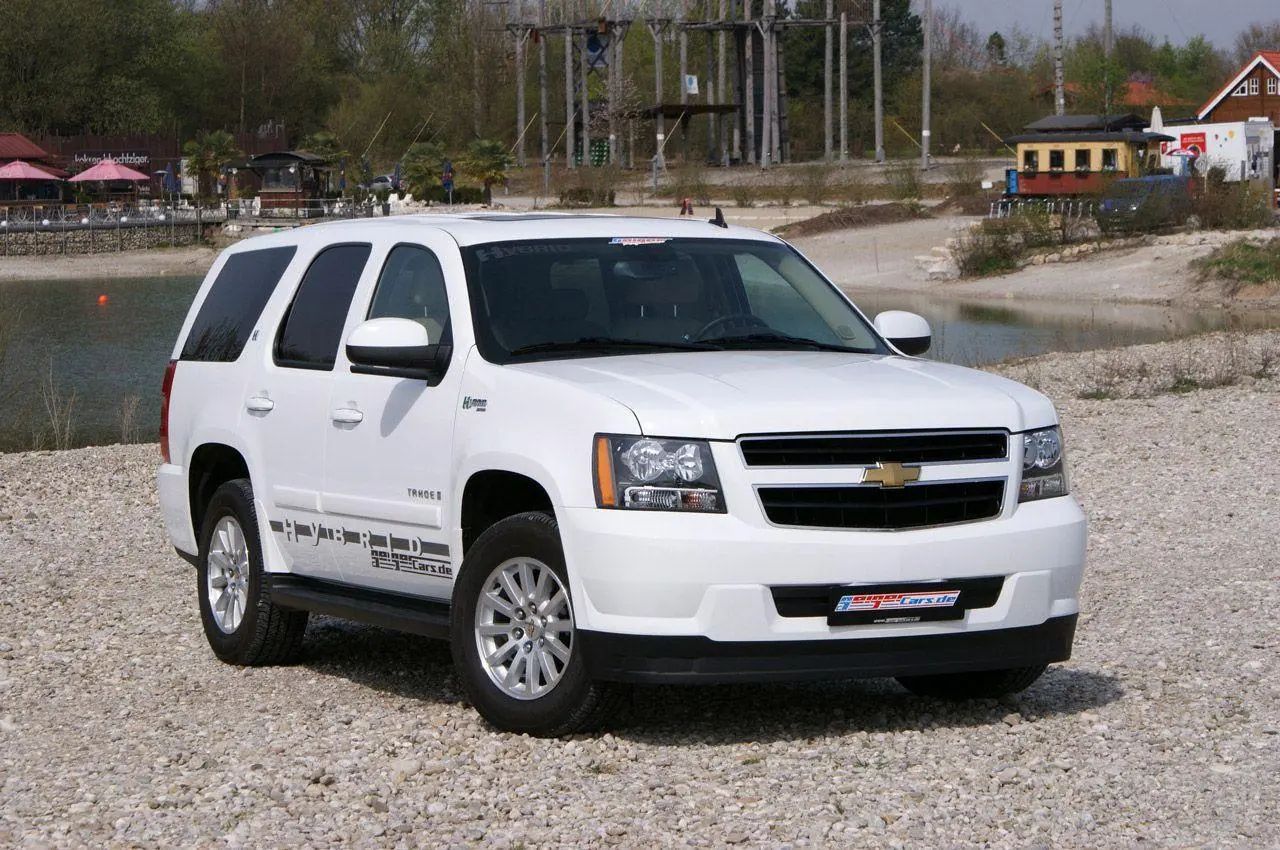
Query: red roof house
{"type": "Point", "coordinates": [1252, 93]}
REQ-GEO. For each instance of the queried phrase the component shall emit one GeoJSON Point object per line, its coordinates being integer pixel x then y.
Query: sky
{"type": "Point", "coordinates": [1177, 20]}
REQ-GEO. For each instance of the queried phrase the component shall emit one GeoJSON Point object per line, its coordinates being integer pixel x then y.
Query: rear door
{"type": "Point", "coordinates": [389, 446]}
{"type": "Point", "coordinates": [288, 407]}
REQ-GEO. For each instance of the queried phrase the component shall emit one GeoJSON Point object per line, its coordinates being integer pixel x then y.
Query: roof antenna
{"type": "Point", "coordinates": [719, 221]}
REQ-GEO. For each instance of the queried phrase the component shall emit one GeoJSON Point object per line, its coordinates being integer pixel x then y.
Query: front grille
{"type": "Point", "coordinates": [879, 508]}
{"type": "Point", "coordinates": [869, 448]}
{"type": "Point", "coordinates": [814, 600]}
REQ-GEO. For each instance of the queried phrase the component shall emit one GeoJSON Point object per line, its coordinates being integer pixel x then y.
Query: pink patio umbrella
{"type": "Point", "coordinates": [19, 170]}
{"type": "Point", "coordinates": [108, 170]}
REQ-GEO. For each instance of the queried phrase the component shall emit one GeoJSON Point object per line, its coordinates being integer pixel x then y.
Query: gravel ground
{"type": "Point", "coordinates": [118, 727]}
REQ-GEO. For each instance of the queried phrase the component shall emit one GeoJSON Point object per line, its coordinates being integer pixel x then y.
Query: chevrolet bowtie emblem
{"type": "Point", "coordinates": [890, 474]}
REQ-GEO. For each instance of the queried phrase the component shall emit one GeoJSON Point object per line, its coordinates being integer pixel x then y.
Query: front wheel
{"type": "Point", "coordinates": [514, 639]}
{"type": "Point", "coordinates": [976, 685]}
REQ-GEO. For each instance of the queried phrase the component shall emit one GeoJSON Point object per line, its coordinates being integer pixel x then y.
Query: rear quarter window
{"type": "Point", "coordinates": [234, 303]}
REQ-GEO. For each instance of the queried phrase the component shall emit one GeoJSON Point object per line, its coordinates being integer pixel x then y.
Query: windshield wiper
{"type": "Point", "coordinates": [605, 343]}
{"type": "Point", "coordinates": [774, 340]}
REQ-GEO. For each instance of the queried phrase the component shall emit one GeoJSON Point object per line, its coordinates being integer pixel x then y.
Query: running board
{"type": "Point", "coordinates": [389, 610]}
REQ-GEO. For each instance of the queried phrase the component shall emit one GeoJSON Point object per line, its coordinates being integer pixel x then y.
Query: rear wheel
{"type": "Point", "coordinates": [240, 623]}
{"type": "Point", "coordinates": [513, 634]}
{"type": "Point", "coordinates": [975, 685]}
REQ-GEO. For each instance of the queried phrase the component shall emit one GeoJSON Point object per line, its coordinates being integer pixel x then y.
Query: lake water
{"type": "Point", "coordinates": [111, 355]}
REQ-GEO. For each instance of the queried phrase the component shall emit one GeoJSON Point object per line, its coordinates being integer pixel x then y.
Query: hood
{"type": "Point", "coordinates": [725, 394]}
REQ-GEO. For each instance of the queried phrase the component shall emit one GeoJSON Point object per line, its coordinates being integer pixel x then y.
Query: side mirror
{"type": "Point", "coordinates": [907, 332]}
{"type": "Point", "coordinates": [399, 347]}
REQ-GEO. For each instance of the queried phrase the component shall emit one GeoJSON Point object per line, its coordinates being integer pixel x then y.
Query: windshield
{"type": "Point", "coordinates": [591, 297]}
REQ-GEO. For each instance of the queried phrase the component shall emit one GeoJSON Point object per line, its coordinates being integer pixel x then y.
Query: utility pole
{"type": "Point", "coordinates": [656, 28]}
{"type": "Point", "coordinates": [749, 84]}
{"type": "Point", "coordinates": [586, 105]}
{"type": "Point", "coordinates": [521, 33]}
{"type": "Point", "coordinates": [1107, 45]}
{"type": "Point", "coordinates": [876, 25]}
{"type": "Point", "coordinates": [542, 79]}
{"type": "Point", "coordinates": [771, 84]}
{"type": "Point", "coordinates": [683, 122]}
{"type": "Point", "coordinates": [569, 108]}
{"type": "Point", "coordinates": [826, 87]}
{"type": "Point", "coordinates": [1059, 94]}
{"type": "Point", "coordinates": [712, 91]}
{"type": "Point", "coordinates": [721, 81]}
{"type": "Point", "coordinates": [844, 87]}
{"type": "Point", "coordinates": [928, 57]}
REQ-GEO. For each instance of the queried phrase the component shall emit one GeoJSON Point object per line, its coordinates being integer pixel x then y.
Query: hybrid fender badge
{"type": "Point", "coordinates": [891, 474]}
{"type": "Point", "coordinates": [479, 405]}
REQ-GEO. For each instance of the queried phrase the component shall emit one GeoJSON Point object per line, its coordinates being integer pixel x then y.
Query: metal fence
{"type": "Point", "coordinates": [1068, 207]}
{"type": "Point", "coordinates": [59, 217]}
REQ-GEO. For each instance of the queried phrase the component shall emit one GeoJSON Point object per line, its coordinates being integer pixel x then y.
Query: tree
{"type": "Point", "coordinates": [1257, 37]}
{"type": "Point", "coordinates": [486, 163]}
{"type": "Point", "coordinates": [206, 155]}
{"type": "Point", "coordinates": [996, 48]}
{"type": "Point", "coordinates": [423, 165]}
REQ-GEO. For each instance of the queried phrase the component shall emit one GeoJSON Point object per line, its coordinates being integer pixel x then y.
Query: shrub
{"type": "Point", "coordinates": [744, 193]}
{"type": "Point", "coordinates": [1242, 263]}
{"type": "Point", "coordinates": [902, 181]}
{"type": "Point", "coordinates": [1230, 206]}
{"type": "Point", "coordinates": [591, 187]}
{"type": "Point", "coordinates": [964, 178]}
{"type": "Point", "coordinates": [814, 182]}
{"type": "Point", "coordinates": [690, 181]}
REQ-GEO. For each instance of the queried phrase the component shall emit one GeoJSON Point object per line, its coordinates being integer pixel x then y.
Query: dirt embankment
{"type": "Point", "coordinates": [156, 262]}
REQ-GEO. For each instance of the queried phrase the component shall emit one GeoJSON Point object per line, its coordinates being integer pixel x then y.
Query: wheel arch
{"type": "Point", "coordinates": [491, 495]}
{"type": "Point", "coordinates": [211, 466]}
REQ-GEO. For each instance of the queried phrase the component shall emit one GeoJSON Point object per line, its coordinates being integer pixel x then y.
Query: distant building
{"type": "Point", "coordinates": [1252, 93]}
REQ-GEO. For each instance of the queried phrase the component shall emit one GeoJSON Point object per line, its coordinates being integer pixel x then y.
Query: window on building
{"type": "Point", "coordinates": [1253, 86]}
{"type": "Point", "coordinates": [1082, 160]}
{"type": "Point", "coordinates": [1057, 160]}
{"type": "Point", "coordinates": [1030, 160]}
{"type": "Point", "coordinates": [1241, 90]}
{"type": "Point", "coordinates": [1109, 159]}
{"type": "Point", "coordinates": [1271, 85]}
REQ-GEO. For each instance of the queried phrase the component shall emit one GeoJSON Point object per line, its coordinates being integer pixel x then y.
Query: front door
{"type": "Point", "coordinates": [388, 452]}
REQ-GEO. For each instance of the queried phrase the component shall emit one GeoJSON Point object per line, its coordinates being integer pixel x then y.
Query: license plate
{"type": "Point", "coordinates": [896, 603]}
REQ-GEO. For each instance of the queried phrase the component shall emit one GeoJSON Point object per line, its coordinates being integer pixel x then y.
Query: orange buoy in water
{"type": "Point", "coordinates": [102, 299]}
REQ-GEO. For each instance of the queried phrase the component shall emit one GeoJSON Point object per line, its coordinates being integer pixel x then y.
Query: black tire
{"type": "Point", "coordinates": [576, 702]}
{"type": "Point", "coordinates": [978, 684]}
{"type": "Point", "coordinates": [265, 634]}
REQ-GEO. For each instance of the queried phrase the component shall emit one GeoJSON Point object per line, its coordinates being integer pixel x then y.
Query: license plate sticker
{"type": "Point", "coordinates": [897, 601]}
{"type": "Point", "coordinates": [901, 603]}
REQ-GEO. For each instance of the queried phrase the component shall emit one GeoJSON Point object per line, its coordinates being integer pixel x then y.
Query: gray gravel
{"type": "Point", "coordinates": [118, 727]}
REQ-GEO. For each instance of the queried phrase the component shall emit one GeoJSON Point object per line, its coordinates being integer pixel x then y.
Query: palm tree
{"type": "Point", "coordinates": [486, 163]}
{"type": "Point", "coordinates": [423, 164]}
{"type": "Point", "coordinates": [208, 154]}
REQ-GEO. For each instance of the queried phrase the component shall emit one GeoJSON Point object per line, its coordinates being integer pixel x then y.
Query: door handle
{"type": "Point", "coordinates": [346, 416]}
{"type": "Point", "coordinates": [259, 404]}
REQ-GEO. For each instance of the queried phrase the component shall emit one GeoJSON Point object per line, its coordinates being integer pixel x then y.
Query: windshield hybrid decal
{"type": "Point", "coordinates": [639, 240]}
{"type": "Point", "coordinates": [497, 252]}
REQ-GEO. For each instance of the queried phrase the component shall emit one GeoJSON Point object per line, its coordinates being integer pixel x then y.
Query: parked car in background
{"type": "Point", "coordinates": [1145, 203]}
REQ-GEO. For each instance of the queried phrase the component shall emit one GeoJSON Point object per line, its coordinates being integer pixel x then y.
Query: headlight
{"type": "Point", "coordinates": [644, 473]}
{"type": "Point", "coordinates": [1044, 467]}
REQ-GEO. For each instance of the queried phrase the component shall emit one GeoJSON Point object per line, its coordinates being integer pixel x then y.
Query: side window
{"type": "Point", "coordinates": [412, 287]}
{"type": "Point", "coordinates": [234, 303]}
{"type": "Point", "coordinates": [312, 328]}
{"type": "Point", "coordinates": [1108, 159]}
{"type": "Point", "coordinates": [1057, 160]}
{"type": "Point", "coordinates": [1082, 159]}
{"type": "Point", "coordinates": [1030, 160]}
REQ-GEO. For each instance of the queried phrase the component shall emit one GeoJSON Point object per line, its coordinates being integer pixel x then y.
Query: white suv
{"type": "Point", "coordinates": [592, 450]}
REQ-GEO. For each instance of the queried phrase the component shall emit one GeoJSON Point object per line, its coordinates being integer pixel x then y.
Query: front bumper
{"type": "Point", "coordinates": [713, 577]}
{"type": "Point", "coordinates": [677, 660]}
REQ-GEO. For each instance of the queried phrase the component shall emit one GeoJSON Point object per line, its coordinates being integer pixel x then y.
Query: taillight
{"type": "Point", "coordinates": [165, 389]}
